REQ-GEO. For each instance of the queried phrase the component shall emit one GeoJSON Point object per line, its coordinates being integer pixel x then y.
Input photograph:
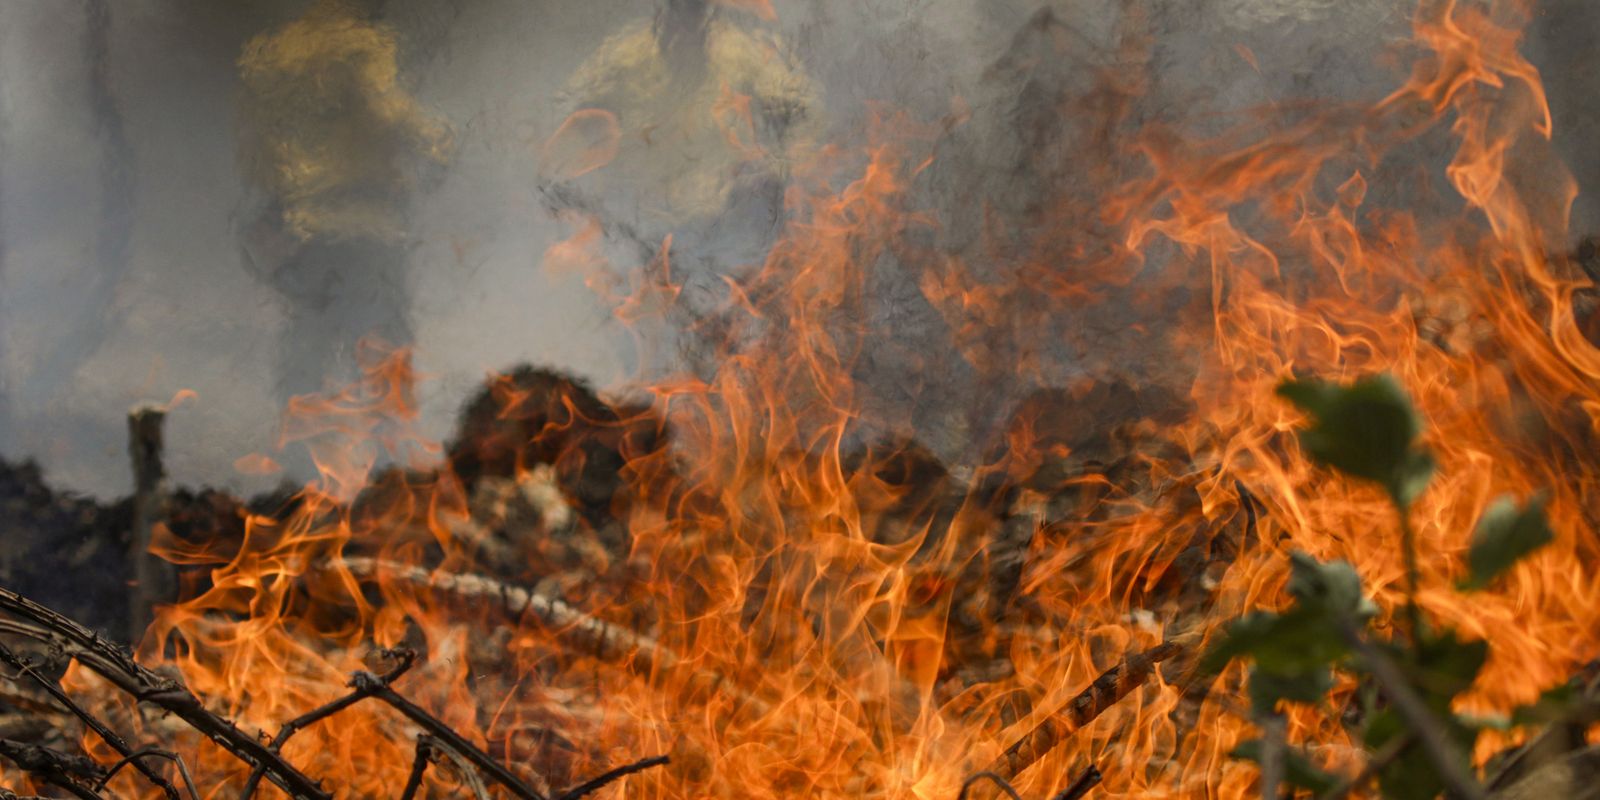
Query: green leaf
{"type": "Point", "coordinates": [1412, 477]}
{"type": "Point", "coordinates": [1447, 666]}
{"type": "Point", "coordinates": [1412, 776]}
{"type": "Point", "coordinates": [1298, 771]}
{"type": "Point", "coordinates": [1333, 587]}
{"type": "Point", "coordinates": [1267, 687]}
{"type": "Point", "coordinates": [1504, 535]}
{"type": "Point", "coordinates": [1291, 643]}
{"type": "Point", "coordinates": [1409, 777]}
{"type": "Point", "coordinates": [1365, 430]}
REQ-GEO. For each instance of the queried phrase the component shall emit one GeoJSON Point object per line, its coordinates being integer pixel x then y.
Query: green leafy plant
{"type": "Point", "coordinates": [1368, 430]}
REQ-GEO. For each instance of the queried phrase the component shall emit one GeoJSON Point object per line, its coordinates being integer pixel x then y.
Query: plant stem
{"type": "Point", "coordinates": [1408, 545]}
{"type": "Point", "coordinates": [1272, 746]}
{"type": "Point", "coordinates": [1430, 733]}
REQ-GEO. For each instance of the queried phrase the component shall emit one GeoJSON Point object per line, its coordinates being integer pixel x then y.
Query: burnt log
{"type": "Point", "coordinates": [533, 416]}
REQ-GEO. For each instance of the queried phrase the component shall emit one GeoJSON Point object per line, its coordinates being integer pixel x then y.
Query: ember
{"type": "Point", "coordinates": [1061, 445]}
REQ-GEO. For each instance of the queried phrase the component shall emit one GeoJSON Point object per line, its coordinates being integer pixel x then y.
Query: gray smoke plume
{"type": "Point", "coordinates": [129, 213]}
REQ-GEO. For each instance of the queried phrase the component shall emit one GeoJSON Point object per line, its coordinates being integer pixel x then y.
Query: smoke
{"type": "Point", "coordinates": [112, 231]}
{"type": "Point", "coordinates": [129, 193]}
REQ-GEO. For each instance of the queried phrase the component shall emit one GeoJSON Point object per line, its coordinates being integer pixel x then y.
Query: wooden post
{"type": "Point", "coordinates": [151, 579]}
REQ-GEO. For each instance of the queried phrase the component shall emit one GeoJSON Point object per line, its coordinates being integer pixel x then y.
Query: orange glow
{"type": "Point", "coordinates": [256, 464]}
{"type": "Point", "coordinates": [812, 601]}
{"type": "Point", "coordinates": [588, 140]}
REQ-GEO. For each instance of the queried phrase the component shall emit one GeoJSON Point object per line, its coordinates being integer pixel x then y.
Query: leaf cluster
{"type": "Point", "coordinates": [1369, 431]}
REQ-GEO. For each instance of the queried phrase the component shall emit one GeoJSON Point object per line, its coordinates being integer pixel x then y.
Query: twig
{"type": "Point", "coordinates": [1429, 733]}
{"type": "Point", "coordinates": [115, 665]}
{"type": "Point", "coordinates": [133, 758]}
{"type": "Point", "coordinates": [1002, 783]}
{"type": "Point", "coordinates": [418, 766]}
{"type": "Point", "coordinates": [53, 766]}
{"type": "Point", "coordinates": [404, 659]}
{"type": "Point", "coordinates": [1112, 685]}
{"type": "Point", "coordinates": [1087, 780]}
{"type": "Point", "coordinates": [7, 794]}
{"type": "Point", "coordinates": [110, 737]}
{"type": "Point", "coordinates": [1383, 757]}
{"type": "Point", "coordinates": [376, 688]}
{"type": "Point", "coordinates": [469, 775]}
{"type": "Point", "coordinates": [605, 778]}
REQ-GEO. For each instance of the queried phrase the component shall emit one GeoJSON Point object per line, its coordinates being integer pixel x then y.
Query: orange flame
{"type": "Point", "coordinates": [814, 595]}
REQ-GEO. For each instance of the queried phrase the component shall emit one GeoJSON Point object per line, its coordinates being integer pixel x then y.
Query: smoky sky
{"type": "Point", "coordinates": [123, 269]}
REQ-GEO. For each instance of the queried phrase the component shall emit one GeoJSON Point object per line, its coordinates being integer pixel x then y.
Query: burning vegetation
{"type": "Point", "coordinates": [1300, 501]}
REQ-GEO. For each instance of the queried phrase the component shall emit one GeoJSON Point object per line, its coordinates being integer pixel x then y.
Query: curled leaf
{"type": "Point", "coordinates": [1505, 534]}
{"type": "Point", "coordinates": [1365, 430]}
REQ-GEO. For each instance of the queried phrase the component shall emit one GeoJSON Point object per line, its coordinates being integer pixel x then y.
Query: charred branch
{"type": "Point", "coordinates": [376, 687]}
{"type": "Point", "coordinates": [418, 766]}
{"type": "Point", "coordinates": [1112, 685]}
{"type": "Point", "coordinates": [115, 665]}
{"type": "Point", "coordinates": [978, 777]}
{"type": "Point", "coordinates": [54, 767]}
{"type": "Point", "coordinates": [7, 794]}
{"type": "Point", "coordinates": [1086, 780]}
{"type": "Point", "coordinates": [609, 777]}
{"type": "Point", "coordinates": [155, 752]}
{"type": "Point", "coordinates": [110, 737]}
{"type": "Point", "coordinates": [404, 658]}
{"type": "Point", "coordinates": [570, 626]}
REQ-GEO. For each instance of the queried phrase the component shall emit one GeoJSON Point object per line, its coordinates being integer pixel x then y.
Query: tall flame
{"type": "Point", "coordinates": [813, 598]}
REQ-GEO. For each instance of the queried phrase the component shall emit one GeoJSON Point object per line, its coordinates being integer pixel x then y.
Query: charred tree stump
{"type": "Point", "coordinates": [152, 580]}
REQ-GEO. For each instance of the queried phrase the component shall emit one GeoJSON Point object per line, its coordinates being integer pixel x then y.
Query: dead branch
{"type": "Point", "coordinates": [604, 779]}
{"type": "Point", "coordinates": [183, 769]}
{"type": "Point", "coordinates": [7, 794]}
{"type": "Point", "coordinates": [572, 627]}
{"type": "Point", "coordinates": [53, 766]}
{"type": "Point", "coordinates": [375, 687]}
{"type": "Point", "coordinates": [469, 776]}
{"type": "Point", "coordinates": [418, 766]}
{"type": "Point", "coordinates": [404, 660]}
{"type": "Point", "coordinates": [117, 666]}
{"type": "Point", "coordinates": [1086, 780]}
{"type": "Point", "coordinates": [1001, 783]}
{"type": "Point", "coordinates": [1112, 685]}
{"type": "Point", "coordinates": [451, 744]}
{"type": "Point", "coordinates": [110, 737]}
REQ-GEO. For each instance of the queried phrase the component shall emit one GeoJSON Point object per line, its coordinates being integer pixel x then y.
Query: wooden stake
{"type": "Point", "coordinates": [151, 579]}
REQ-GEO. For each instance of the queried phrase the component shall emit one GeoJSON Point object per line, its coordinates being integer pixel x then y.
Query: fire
{"type": "Point", "coordinates": [800, 600]}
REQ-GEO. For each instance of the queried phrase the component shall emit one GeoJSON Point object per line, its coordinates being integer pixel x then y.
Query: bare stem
{"type": "Point", "coordinates": [1429, 731]}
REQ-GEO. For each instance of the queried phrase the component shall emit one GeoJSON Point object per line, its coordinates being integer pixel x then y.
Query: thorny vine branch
{"type": "Point", "coordinates": [85, 779]}
{"type": "Point", "coordinates": [109, 736]}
